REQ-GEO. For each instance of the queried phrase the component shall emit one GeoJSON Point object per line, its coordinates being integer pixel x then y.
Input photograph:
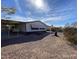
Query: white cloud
{"type": "Point", "coordinates": [59, 18]}
{"type": "Point", "coordinates": [20, 18]}
{"type": "Point", "coordinates": [58, 25]}
{"type": "Point", "coordinates": [16, 18]}
{"type": "Point", "coordinates": [55, 18]}
{"type": "Point", "coordinates": [63, 10]}
{"type": "Point", "coordinates": [28, 13]}
{"type": "Point", "coordinates": [30, 19]}
{"type": "Point", "coordinates": [18, 6]}
{"type": "Point", "coordinates": [45, 19]}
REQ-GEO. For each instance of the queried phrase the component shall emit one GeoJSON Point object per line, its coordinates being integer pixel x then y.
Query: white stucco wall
{"type": "Point", "coordinates": [28, 27]}
{"type": "Point", "coordinates": [35, 25]}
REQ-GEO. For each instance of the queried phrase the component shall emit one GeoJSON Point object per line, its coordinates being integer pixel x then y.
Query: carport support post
{"type": "Point", "coordinates": [8, 30]}
{"type": "Point", "coordinates": [17, 32]}
{"type": "Point", "coordinates": [50, 29]}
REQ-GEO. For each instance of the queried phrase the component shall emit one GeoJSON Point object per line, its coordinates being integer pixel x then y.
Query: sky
{"type": "Point", "coordinates": [51, 12]}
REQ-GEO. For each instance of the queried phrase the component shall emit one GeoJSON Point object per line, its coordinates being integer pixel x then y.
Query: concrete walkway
{"type": "Point", "coordinates": [49, 47]}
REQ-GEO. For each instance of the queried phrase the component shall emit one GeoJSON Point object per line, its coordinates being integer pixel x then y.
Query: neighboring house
{"type": "Point", "coordinates": [32, 26]}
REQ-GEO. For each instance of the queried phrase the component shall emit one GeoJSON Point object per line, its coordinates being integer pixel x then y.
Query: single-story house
{"type": "Point", "coordinates": [31, 26]}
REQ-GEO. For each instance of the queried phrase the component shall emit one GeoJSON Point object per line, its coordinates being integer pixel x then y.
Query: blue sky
{"type": "Point", "coordinates": [51, 12]}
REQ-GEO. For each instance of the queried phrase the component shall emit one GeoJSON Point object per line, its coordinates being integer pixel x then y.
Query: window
{"type": "Point", "coordinates": [35, 28]}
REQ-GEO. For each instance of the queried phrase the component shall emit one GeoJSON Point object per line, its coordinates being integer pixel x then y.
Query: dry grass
{"type": "Point", "coordinates": [71, 34]}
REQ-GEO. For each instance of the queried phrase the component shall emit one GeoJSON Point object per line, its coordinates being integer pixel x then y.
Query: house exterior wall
{"type": "Point", "coordinates": [28, 27]}
{"type": "Point", "coordinates": [35, 26]}
{"type": "Point", "coordinates": [22, 27]}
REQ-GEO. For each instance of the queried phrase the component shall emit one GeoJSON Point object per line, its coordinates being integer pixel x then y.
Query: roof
{"type": "Point", "coordinates": [13, 21]}
{"type": "Point", "coordinates": [10, 20]}
{"type": "Point", "coordinates": [37, 21]}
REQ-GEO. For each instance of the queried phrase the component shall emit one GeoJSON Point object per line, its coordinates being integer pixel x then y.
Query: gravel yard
{"type": "Point", "coordinates": [48, 47]}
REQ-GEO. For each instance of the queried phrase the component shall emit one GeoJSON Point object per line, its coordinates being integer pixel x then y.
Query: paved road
{"type": "Point", "coordinates": [49, 47]}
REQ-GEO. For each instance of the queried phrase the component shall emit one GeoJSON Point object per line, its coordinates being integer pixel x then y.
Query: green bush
{"type": "Point", "coordinates": [71, 34]}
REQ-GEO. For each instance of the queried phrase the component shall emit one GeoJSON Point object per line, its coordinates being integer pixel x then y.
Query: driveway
{"type": "Point", "coordinates": [49, 47]}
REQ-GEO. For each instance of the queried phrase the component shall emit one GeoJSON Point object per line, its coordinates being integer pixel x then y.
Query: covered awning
{"type": "Point", "coordinates": [10, 22]}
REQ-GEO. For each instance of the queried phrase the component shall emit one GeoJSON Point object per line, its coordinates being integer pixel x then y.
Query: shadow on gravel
{"type": "Point", "coordinates": [55, 36]}
{"type": "Point", "coordinates": [23, 38]}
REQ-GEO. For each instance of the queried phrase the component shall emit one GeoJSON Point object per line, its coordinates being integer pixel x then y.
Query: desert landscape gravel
{"type": "Point", "coordinates": [49, 47]}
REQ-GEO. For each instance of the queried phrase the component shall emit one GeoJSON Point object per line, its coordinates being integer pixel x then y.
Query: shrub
{"type": "Point", "coordinates": [58, 29]}
{"type": "Point", "coordinates": [71, 34]}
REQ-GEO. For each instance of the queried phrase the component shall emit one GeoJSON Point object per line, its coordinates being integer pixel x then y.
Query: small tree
{"type": "Point", "coordinates": [7, 11]}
